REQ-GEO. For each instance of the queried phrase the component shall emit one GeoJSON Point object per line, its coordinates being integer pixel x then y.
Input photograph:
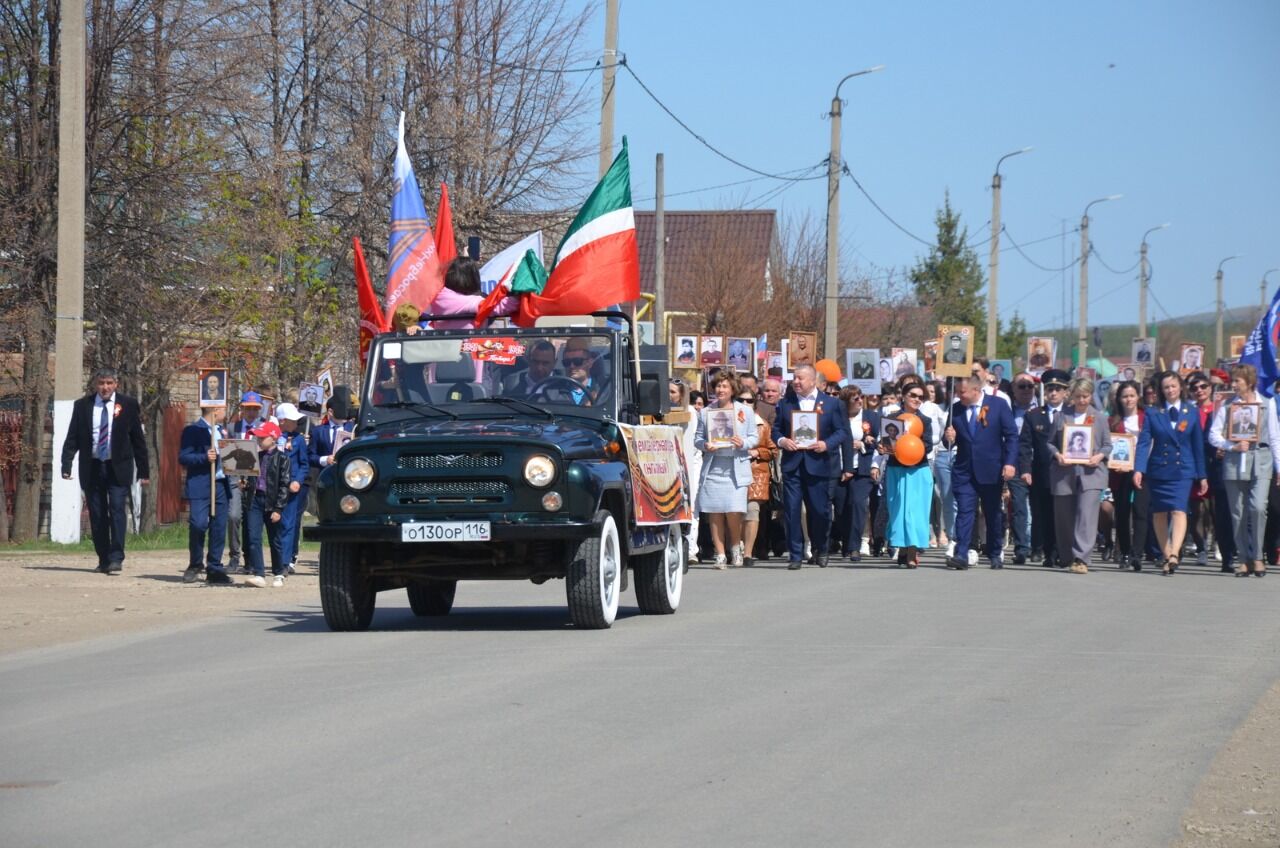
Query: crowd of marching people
{"type": "Point", "coordinates": [981, 467]}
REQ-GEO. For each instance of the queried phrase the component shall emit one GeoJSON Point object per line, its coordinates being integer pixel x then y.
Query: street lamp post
{"type": "Point", "coordinates": [1144, 277]}
{"type": "Point", "coordinates": [1217, 340]}
{"type": "Point", "coordinates": [833, 216]}
{"type": "Point", "coordinates": [1082, 341]}
{"type": "Point", "coordinates": [993, 265]}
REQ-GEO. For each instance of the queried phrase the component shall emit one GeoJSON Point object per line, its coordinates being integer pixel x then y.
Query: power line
{"type": "Point", "coordinates": [722, 185]}
{"type": "Point", "coordinates": [1104, 264]}
{"type": "Point", "coordinates": [701, 140]}
{"type": "Point", "coordinates": [878, 208]}
{"type": "Point", "coordinates": [1024, 255]}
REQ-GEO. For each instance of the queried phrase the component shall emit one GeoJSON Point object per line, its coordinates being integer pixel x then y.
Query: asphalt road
{"type": "Point", "coordinates": [826, 707]}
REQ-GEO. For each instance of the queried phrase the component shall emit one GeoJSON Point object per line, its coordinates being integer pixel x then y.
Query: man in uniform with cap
{"type": "Point", "coordinates": [1036, 427]}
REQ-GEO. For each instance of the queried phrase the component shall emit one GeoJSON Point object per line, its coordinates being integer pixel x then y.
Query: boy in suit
{"type": "Point", "coordinates": [199, 455]}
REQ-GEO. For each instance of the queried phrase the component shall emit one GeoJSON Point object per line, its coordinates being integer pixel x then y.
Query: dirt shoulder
{"type": "Point", "coordinates": [51, 599]}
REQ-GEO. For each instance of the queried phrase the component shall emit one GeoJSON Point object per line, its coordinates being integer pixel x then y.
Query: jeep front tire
{"type": "Point", "coordinates": [594, 577]}
{"type": "Point", "coordinates": [346, 594]}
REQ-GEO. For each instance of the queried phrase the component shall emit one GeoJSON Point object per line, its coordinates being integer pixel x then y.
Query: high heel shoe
{"type": "Point", "coordinates": [1260, 572]}
{"type": "Point", "coordinates": [1243, 570]}
{"type": "Point", "coordinates": [1169, 567]}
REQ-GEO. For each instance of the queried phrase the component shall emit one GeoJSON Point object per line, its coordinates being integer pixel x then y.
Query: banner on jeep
{"type": "Point", "coordinates": [659, 475]}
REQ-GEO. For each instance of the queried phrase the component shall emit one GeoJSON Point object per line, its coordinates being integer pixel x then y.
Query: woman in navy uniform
{"type": "Point", "coordinates": [1170, 456]}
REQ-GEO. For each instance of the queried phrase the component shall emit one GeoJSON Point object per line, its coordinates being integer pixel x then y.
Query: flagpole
{"type": "Point", "coordinates": [635, 339]}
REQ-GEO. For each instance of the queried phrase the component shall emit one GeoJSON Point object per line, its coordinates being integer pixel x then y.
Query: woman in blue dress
{"type": "Point", "coordinates": [1170, 458]}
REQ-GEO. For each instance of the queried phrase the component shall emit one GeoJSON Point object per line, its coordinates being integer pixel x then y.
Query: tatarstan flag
{"type": "Point", "coordinates": [598, 263]}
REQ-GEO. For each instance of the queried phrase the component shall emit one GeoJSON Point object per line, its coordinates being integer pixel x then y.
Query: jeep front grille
{"type": "Point", "coordinates": [451, 492]}
{"type": "Point", "coordinates": [432, 461]}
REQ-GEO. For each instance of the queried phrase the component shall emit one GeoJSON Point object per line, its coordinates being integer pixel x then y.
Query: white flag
{"type": "Point", "coordinates": [497, 267]}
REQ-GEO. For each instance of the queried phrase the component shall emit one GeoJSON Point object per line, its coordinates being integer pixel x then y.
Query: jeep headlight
{"type": "Point", "coordinates": [358, 474]}
{"type": "Point", "coordinates": [539, 471]}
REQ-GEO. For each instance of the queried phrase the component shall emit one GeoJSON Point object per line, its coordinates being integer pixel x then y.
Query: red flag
{"type": "Point", "coordinates": [446, 247]}
{"type": "Point", "coordinates": [371, 320]}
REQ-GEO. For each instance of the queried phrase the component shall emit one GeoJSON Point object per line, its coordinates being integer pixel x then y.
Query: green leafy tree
{"type": "Point", "coordinates": [949, 280]}
{"type": "Point", "coordinates": [1012, 340]}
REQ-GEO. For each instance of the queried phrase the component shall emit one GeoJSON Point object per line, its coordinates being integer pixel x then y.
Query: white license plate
{"type": "Point", "coordinates": [445, 531]}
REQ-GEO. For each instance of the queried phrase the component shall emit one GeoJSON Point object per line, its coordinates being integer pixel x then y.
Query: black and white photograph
{"type": "Point", "coordinates": [860, 366]}
{"type": "Point", "coordinates": [710, 351]}
{"type": "Point", "coordinates": [904, 361]}
{"type": "Point", "coordinates": [1143, 352]}
{"type": "Point", "coordinates": [740, 354]}
{"type": "Point", "coordinates": [1191, 357]}
{"type": "Point", "coordinates": [804, 428]}
{"type": "Point", "coordinates": [684, 352]}
{"type": "Point", "coordinates": [1242, 422]}
{"type": "Point", "coordinates": [719, 426]}
{"type": "Point", "coordinates": [239, 457]}
{"type": "Point", "coordinates": [311, 399]}
{"type": "Point", "coordinates": [955, 350]}
{"type": "Point", "coordinates": [1077, 443]}
{"type": "Point", "coordinates": [1123, 448]}
{"type": "Point", "coordinates": [213, 387]}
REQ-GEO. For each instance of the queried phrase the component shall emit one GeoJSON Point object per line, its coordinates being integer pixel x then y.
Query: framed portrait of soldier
{"type": "Point", "coordinates": [1077, 443]}
{"type": "Point", "coordinates": [955, 350]}
{"type": "Point", "coordinates": [1237, 346]}
{"type": "Point", "coordinates": [802, 349]}
{"type": "Point", "coordinates": [1191, 357]}
{"type": "Point", "coordinates": [740, 354]}
{"type": "Point", "coordinates": [1144, 352]}
{"type": "Point", "coordinates": [268, 406]}
{"type": "Point", "coordinates": [212, 387]}
{"type": "Point", "coordinates": [239, 457]}
{"type": "Point", "coordinates": [1242, 422]}
{"type": "Point", "coordinates": [884, 370]}
{"type": "Point", "coordinates": [804, 429]}
{"type": "Point", "coordinates": [311, 399]}
{"type": "Point", "coordinates": [904, 361]}
{"type": "Point", "coordinates": [325, 379]}
{"type": "Point", "coordinates": [719, 424]}
{"type": "Point", "coordinates": [860, 366]}
{"type": "Point", "coordinates": [684, 352]}
{"type": "Point", "coordinates": [710, 351]}
{"type": "Point", "coordinates": [1042, 353]}
{"type": "Point", "coordinates": [1001, 370]}
{"type": "Point", "coordinates": [930, 356]}
{"type": "Point", "coordinates": [1123, 448]}
{"type": "Point", "coordinates": [774, 359]}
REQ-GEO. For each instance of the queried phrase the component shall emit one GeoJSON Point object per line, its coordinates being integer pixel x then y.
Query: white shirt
{"type": "Point", "coordinates": [855, 427]}
{"type": "Point", "coordinates": [97, 421]}
{"type": "Point", "coordinates": [808, 402]}
{"type": "Point", "coordinates": [1079, 417]}
{"type": "Point", "coordinates": [937, 420]}
{"type": "Point", "coordinates": [995, 392]}
{"type": "Point", "coordinates": [1131, 424]}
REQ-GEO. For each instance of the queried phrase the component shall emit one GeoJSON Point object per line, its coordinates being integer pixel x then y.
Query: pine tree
{"type": "Point", "coordinates": [949, 279]}
{"type": "Point", "coordinates": [1012, 340]}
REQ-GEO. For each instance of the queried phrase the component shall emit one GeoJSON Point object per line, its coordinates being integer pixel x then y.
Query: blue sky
{"type": "Point", "coordinates": [1175, 105]}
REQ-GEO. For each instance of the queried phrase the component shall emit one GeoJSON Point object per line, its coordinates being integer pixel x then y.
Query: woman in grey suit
{"type": "Point", "coordinates": [726, 433]}
{"type": "Point", "coordinates": [1077, 486]}
{"type": "Point", "coordinates": [1248, 469]}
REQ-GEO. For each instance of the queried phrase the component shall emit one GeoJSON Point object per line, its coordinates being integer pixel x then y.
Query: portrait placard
{"type": "Point", "coordinates": [1042, 353]}
{"type": "Point", "coordinates": [1143, 353]}
{"type": "Point", "coordinates": [890, 430]}
{"type": "Point", "coordinates": [904, 361]}
{"type": "Point", "coordinates": [311, 399]}
{"type": "Point", "coordinates": [1002, 369]}
{"type": "Point", "coordinates": [955, 350]}
{"type": "Point", "coordinates": [884, 372]}
{"type": "Point", "coordinates": [239, 457]}
{"type": "Point", "coordinates": [1190, 358]}
{"type": "Point", "coordinates": [786, 358]}
{"type": "Point", "coordinates": [740, 354]}
{"type": "Point", "coordinates": [1242, 422]}
{"type": "Point", "coordinates": [212, 387]}
{"type": "Point", "coordinates": [930, 356]}
{"type": "Point", "coordinates": [1237, 346]}
{"type": "Point", "coordinates": [802, 349]}
{"type": "Point", "coordinates": [684, 352]}
{"type": "Point", "coordinates": [1123, 448]}
{"type": "Point", "coordinates": [804, 429]}
{"type": "Point", "coordinates": [710, 351]}
{"type": "Point", "coordinates": [774, 359]}
{"type": "Point", "coordinates": [325, 379]}
{"type": "Point", "coordinates": [340, 438]}
{"type": "Point", "coordinates": [860, 366]}
{"type": "Point", "coordinates": [1077, 443]}
{"type": "Point", "coordinates": [719, 424]}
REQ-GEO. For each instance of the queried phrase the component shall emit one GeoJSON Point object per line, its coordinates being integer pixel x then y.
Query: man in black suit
{"type": "Point", "coordinates": [106, 430]}
{"type": "Point", "coordinates": [1037, 425]}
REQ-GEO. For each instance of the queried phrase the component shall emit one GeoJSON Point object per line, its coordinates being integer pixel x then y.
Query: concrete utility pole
{"type": "Point", "coordinates": [1082, 341]}
{"type": "Point", "coordinates": [68, 385]}
{"type": "Point", "coordinates": [1144, 278]}
{"type": "Point", "coordinates": [993, 265]}
{"type": "Point", "coordinates": [1217, 336]}
{"type": "Point", "coordinates": [608, 65]}
{"type": "Point", "coordinates": [660, 253]}
{"type": "Point", "coordinates": [1263, 287]}
{"type": "Point", "coordinates": [833, 218]}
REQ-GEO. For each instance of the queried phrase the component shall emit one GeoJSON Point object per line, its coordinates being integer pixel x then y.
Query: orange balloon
{"type": "Point", "coordinates": [908, 449]}
{"type": "Point", "coordinates": [913, 424]}
{"type": "Point", "coordinates": [828, 369]}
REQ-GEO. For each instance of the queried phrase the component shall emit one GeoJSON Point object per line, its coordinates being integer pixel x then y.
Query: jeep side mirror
{"type": "Point", "coordinates": [649, 397]}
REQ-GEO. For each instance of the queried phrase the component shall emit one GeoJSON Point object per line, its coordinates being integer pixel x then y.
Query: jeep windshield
{"type": "Point", "coordinates": [494, 373]}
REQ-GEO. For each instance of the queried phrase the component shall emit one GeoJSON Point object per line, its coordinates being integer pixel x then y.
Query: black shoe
{"type": "Point", "coordinates": [957, 563]}
{"type": "Point", "coordinates": [1135, 563]}
{"type": "Point", "coordinates": [794, 565]}
{"type": "Point", "coordinates": [114, 567]}
{"type": "Point", "coordinates": [218, 577]}
{"type": "Point", "coordinates": [1019, 559]}
{"type": "Point", "coordinates": [1036, 556]}
{"type": "Point", "coordinates": [855, 557]}
{"type": "Point", "coordinates": [1227, 568]}
{"type": "Point", "coordinates": [997, 563]}
{"type": "Point", "coordinates": [821, 559]}
{"type": "Point", "coordinates": [192, 574]}
{"type": "Point", "coordinates": [747, 562]}
{"type": "Point", "coordinates": [102, 569]}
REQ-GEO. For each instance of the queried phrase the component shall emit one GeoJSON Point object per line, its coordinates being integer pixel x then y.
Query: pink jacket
{"type": "Point", "coordinates": [449, 302]}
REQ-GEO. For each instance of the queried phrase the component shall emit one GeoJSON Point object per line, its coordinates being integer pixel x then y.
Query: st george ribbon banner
{"type": "Point", "coordinates": [659, 475]}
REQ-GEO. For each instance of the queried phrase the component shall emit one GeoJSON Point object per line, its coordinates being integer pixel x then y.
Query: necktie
{"type": "Point", "coordinates": [103, 429]}
{"type": "Point", "coordinates": [1051, 415]}
{"type": "Point", "coordinates": [1173, 413]}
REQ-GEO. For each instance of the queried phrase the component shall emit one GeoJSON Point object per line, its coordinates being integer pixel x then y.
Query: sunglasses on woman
{"type": "Point", "coordinates": [915, 395]}
{"type": "Point", "coordinates": [746, 399]}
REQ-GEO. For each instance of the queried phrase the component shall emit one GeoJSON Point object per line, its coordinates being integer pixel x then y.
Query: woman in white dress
{"type": "Point", "coordinates": [679, 393]}
{"type": "Point", "coordinates": [725, 436]}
